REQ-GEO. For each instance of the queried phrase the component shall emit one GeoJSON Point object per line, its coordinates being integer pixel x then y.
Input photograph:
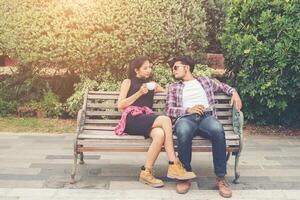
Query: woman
{"type": "Point", "coordinates": [136, 102]}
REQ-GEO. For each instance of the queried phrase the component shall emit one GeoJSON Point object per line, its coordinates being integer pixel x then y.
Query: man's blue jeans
{"type": "Point", "coordinates": [206, 126]}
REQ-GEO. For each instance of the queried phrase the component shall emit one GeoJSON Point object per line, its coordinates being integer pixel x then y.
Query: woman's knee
{"type": "Point", "coordinates": [165, 119]}
{"type": "Point", "coordinates": [157, 134]}
{"type": "Point", "coordinates": [162, 120]}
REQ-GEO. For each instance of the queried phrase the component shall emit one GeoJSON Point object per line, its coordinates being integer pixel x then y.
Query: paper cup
{"type": "Point", "coordinates": [150, 85]}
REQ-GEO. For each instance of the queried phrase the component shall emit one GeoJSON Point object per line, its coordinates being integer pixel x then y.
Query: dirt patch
{"type": "Point", "coordinates": [251, 129]}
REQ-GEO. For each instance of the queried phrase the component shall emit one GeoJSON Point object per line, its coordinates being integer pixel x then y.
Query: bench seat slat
{"type": "Point", "coordinates": [145, 149]}
{"type": "Point", "coordinates": [155, 106]}
{"type": "Point", "coordinates": [115, 97]}
{"type": "Point", "coordinates": [111, 128]}
{"type": "Point", "coordinates": [92, 134]}
{"type": "Point", "coordinates": [132, 143]}
{"type": "Point", "coordinates": [114, 106]}
{"type": "Point", "coordinates": [114, 122]}
{"type": "Point", "coordinates": [117, 113]}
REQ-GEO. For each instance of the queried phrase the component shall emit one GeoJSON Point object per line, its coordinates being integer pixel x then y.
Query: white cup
{"type": "Point", "coordinates": [150, 85]}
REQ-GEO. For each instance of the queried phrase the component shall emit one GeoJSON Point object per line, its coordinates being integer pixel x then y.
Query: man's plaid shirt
{"type": "Point", "coordinates": [174, 106]}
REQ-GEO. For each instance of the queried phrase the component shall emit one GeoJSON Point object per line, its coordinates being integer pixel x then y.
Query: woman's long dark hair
{"type": "Point", "coordinates": [136, 63]}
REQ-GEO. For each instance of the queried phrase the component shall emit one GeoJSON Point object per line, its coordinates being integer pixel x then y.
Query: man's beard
{"type": "Point", "coordinates": [178, 78]}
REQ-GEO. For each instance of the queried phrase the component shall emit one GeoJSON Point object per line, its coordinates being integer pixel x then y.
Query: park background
{"type": "Point", "coordinates": [57, 49]}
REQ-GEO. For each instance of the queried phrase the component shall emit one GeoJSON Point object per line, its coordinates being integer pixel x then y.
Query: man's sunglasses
{"type": "Point", "coordinates": [175, 67]}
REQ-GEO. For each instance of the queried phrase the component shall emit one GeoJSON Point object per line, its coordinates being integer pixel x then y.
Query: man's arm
{"type": "Point", "coordinates": [235, 97]}
{"type": "Point", "coordinates": [171, 109]}
{"type": "Point", "coordinates": [221, 87]}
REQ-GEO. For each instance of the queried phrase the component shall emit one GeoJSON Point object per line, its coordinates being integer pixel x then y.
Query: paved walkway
{"type": "Point", "coordinates": [38, 166]}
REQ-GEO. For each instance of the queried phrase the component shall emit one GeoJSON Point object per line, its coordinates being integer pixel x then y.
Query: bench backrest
{"type": "Point", "coordinates": [102, 112]}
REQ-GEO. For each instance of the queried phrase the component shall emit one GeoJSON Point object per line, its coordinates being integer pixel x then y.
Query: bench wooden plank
{"type": "Point", "coordinates": [114, 97]}
{"type": "Point", "coordinates": [115, 121]}
{"type": "Point", "coordinates": [145, 149]}
{"type": "Point", "coordinates": [114, 106]}
{"type": "Point", "coordinates": [142, 142]}
{"type": "Point", "coordinates": [111, 128]}
{"type": "Point", "coordinates": [103, 93]}
{"type": "Point", "coordinates": [117, 113]}
{"type": "Point", "coordinates": [156, 97]}
{"type": "Point", "coordinates": [95, 134]}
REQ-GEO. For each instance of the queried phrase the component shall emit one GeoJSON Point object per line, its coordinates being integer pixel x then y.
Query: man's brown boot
{"type": "Point", "coordinates": [183, 187]}
{"type": "Point", "coordinates": [177, 171]}
{"type": "Point", "coordinates": [223, 186]}
{"type": "Point", "coordinates": [147, 177]}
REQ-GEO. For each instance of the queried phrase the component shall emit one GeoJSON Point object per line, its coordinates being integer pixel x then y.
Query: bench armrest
{"type": "Point", "coordinates": [238, 123]}
{"type": "Point", "coordinates": [80, 121]}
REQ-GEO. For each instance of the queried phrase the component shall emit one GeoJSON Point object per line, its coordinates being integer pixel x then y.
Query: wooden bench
{"type": "Point", "coordinates": [99, 115]}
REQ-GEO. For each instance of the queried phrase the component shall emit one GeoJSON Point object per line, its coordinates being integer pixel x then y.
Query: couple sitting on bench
{"type": "Point", "coordinates": [190, 108]}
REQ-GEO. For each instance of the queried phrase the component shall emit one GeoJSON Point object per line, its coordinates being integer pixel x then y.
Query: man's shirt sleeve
{"type": "Point", "coordinates": [171, 103]}
{"type": "Point", "coordinates": [221, 87]}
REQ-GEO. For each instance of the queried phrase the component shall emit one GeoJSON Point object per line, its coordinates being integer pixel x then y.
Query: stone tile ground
{"type": "Point", "coordinates": [38, 166]}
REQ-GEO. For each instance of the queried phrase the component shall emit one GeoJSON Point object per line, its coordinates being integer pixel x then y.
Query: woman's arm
{"type": "Point", "coordinates": [124, 102]}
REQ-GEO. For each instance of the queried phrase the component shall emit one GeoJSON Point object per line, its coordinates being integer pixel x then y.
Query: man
{"type": "Point", "coordinates": [190, 103]}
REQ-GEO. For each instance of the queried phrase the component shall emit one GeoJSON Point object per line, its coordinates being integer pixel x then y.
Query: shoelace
{"type": "Point", "coordinates": [181, 166]}
{"type": "Point", "coordinates": [151, 171]}
{"type": "Point", "coordinates": [224, 182]}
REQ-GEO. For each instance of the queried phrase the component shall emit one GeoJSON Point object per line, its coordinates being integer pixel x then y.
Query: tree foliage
{"type": "Point", "coordinates": [215, 18]}
{"type": "Point", "coordinates": [90, 36]}
{"type": "Point", "coordinates": [262, 47]}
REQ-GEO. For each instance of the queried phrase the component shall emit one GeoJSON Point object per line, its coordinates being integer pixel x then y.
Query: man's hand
{"type": "Point", "coordinates": [199, 109]}
{"type": "Point", "coordinates": [236, 101]}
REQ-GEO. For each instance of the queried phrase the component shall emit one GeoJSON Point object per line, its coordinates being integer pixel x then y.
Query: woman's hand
{"type": "Point", "coordinates": [143, 90]}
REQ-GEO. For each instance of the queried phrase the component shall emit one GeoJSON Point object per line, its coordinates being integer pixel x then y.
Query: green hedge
{"type": "Point", "coordinates": [94, 36]}
{"type": "Point", "coordinates": [7, 107]}
{"type": "Point", "coordinates": [105, 82]}
{"type": "Point", "coordinates": [261, 43]}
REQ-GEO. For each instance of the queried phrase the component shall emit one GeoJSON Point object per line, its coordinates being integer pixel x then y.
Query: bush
{"type": "Point", "coordinates": [95, 36]}
{"type": "Point", "coordinates": [51, 104]}
{"type": "Point", "coordinates": [261, 40]}
{"type": "Point", "coordinates": [30, 93]}
{"type": "Point", "coordinates": [106, 82]}
{"type": "Point", "coordinates": [7, 107]}
{"type": "Point", "coordinates": [23, 86]}
{"type": "Point", "coordinates": [103, 82]}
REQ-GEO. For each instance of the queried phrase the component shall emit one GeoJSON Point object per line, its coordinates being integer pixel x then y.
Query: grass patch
{"type": "Point", "coordinates": [14, 124]}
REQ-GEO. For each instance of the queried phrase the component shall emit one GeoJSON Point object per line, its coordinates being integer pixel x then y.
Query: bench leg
{"type": "Point", "coordinates": [74, 169]}
{"type": "Point", "coordinates": [236, 173]}
{"type": "Point", "coordinates": [81, 158]}
{"type": "Point", "coordinates": [227, 156]}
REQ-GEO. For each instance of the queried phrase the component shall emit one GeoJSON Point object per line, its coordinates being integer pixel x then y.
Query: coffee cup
{"type": "Point", "coordinates": [150, 85]}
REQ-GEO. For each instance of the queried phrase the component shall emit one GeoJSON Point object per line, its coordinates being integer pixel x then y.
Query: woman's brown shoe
{"type": "Point", "coordinates": [147, 177]}
{"type": "Point", "coordinates": [177, 171]}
